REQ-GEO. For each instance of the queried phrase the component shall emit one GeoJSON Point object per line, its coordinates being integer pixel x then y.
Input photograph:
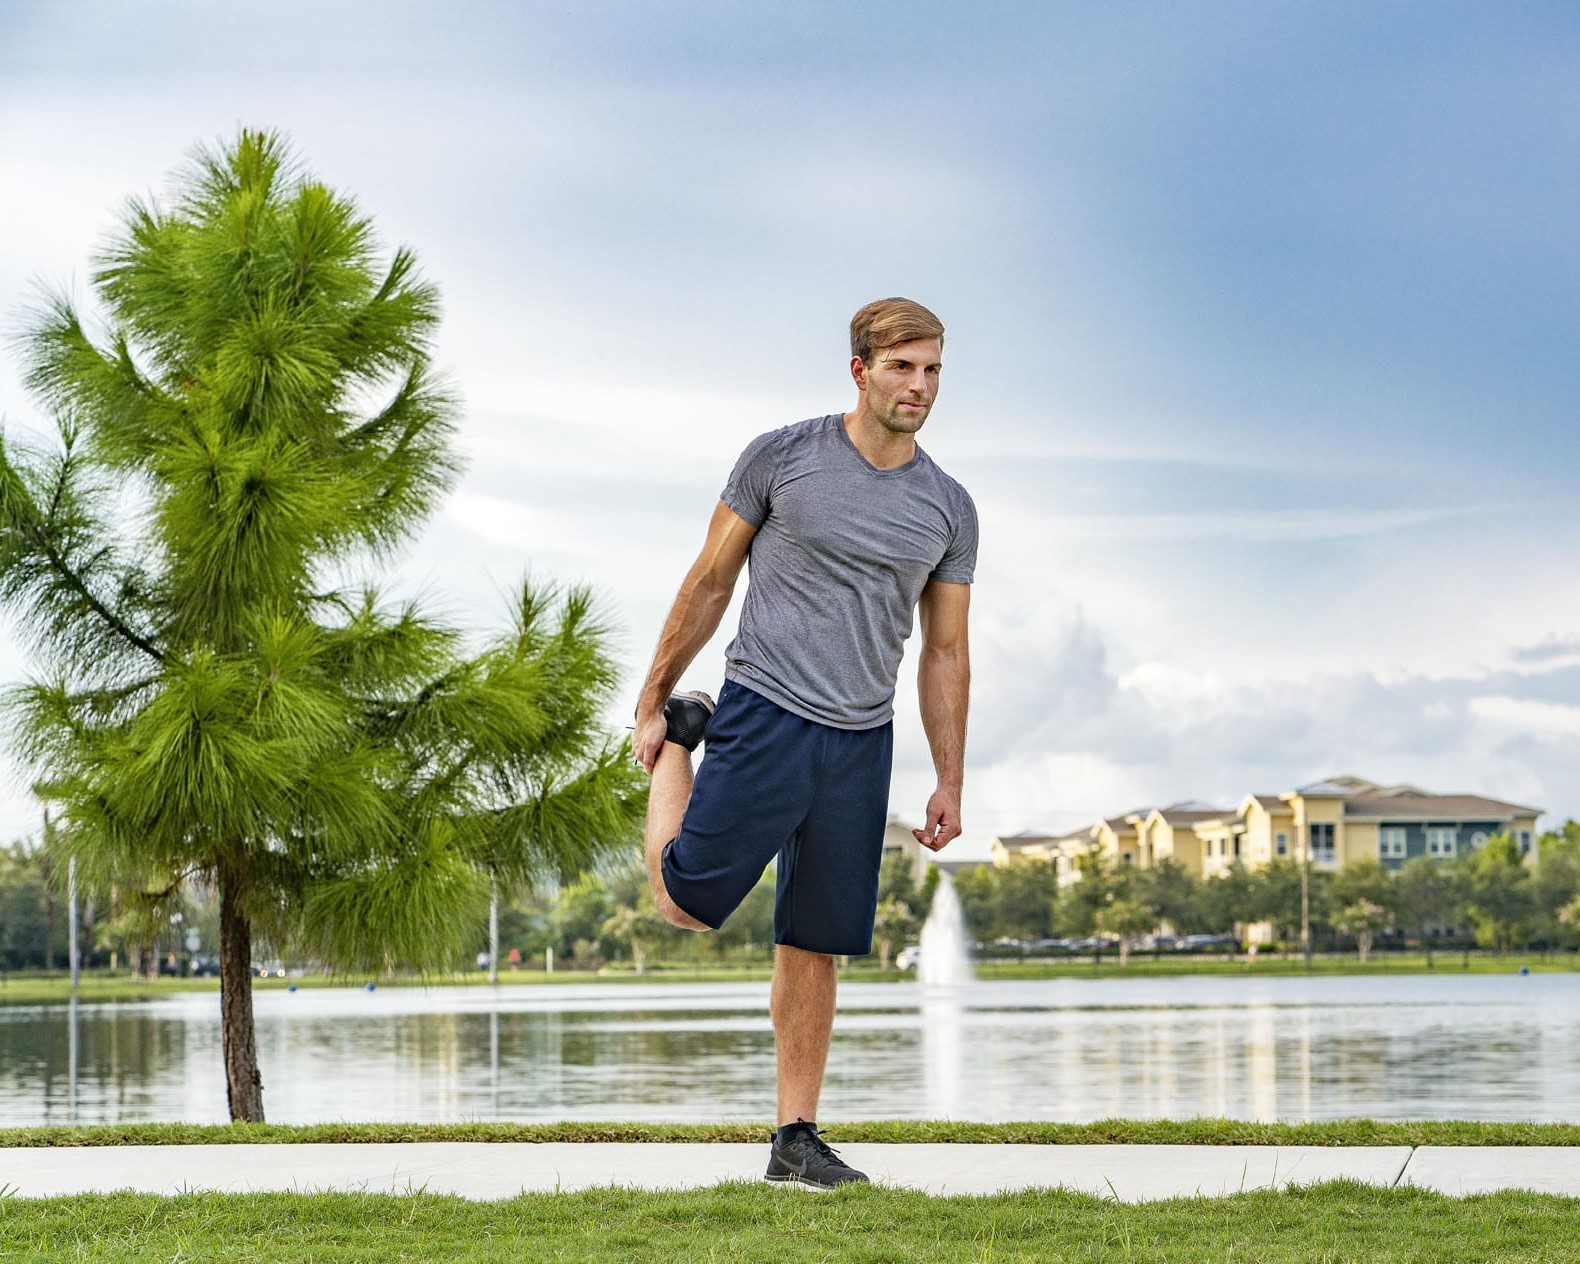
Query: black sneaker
{"type": "Point", "coordinates": [805, 1158]}
{"type": "Point", "coordinates": [688, 714]}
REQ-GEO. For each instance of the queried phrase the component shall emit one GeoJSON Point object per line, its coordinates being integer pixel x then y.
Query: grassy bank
{"type": "Point", "coordinates": [1342, 1221]}
{"type": "Point", "coordinates": [1346, 1132]}
{"type": "Point", "coordinates": [39, 988]}
{"type": "Point", "coordinates": [1276, 965]}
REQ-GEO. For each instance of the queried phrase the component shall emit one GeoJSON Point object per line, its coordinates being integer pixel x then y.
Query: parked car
{"type": "Point", "coordinates": [908, 957]}
{"type": "Point", "coordinates": [269, 970]}
{"type": "Point", "coordinates": [204, 966]}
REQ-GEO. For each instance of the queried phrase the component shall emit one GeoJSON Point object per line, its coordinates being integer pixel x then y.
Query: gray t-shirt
{"type": "Point", "coordinates": [840, 558]}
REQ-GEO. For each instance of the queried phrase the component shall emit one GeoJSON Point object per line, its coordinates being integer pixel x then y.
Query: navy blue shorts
{"type": "Point", "coordinates": [773, 784]}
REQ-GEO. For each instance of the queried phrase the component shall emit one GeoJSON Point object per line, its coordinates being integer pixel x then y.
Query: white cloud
{"type": "Point", "coordinates": [1173, 690]}
{"type": "Point", "coordinates": [507, 522]}
{"type": "Point", "coordinates": [1524, 718]}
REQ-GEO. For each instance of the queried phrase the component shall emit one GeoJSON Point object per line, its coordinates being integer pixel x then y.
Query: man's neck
{"type": "Point", "coordinates": [882, 447]}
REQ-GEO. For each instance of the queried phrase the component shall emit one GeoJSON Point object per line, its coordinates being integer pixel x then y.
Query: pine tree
{"type": "Point", "coordinates": [215, 700]}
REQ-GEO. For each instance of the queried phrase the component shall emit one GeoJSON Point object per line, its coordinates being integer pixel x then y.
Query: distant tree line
{"type": "Point", "coordinates": [1489, 897]}
{"type": "Point", "coordinates": [606, 916]}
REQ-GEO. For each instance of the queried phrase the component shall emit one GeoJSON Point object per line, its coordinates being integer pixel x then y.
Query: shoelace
{"type": "Point", "coordinates": [824, 1148]}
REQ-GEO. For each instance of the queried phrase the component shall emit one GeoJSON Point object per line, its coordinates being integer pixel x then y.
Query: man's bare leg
{"type": "Point", "coordinates": [667, 797]}
{"type": "Point", "coordinates": [802, 1004]}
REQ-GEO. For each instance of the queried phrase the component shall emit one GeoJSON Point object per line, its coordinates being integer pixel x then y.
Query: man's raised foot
{"type": "Point", "coordinates": [687, 715]}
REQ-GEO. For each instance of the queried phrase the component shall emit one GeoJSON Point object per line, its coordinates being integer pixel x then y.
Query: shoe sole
{"type": "Point", "coordinates": [792, 1179]}
{"type": "Point", "coordinates": [803, 1183]}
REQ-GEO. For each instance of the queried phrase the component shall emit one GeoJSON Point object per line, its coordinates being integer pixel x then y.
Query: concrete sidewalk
{"type": "Point", "coordinates": [481, 1170]}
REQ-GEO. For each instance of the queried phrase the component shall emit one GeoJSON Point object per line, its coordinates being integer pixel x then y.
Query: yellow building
{"type": "Point", "coordinates": [1170, 834]}
{"type": "Point", "coordinates": [1117, 839]}
{"type": "Point", "coordinates": [1333, 822]}
{"type": "Point", "coordinates": [1065, 850]}
{"type": "Point", "coordinates": [1397, 823]}
{"type": "Point", "coordinates": [1028, 843]}
{"type": "Point", "coordinates": [1269, 830]}
{"type": "Point", "coordinates": [1221, 839]}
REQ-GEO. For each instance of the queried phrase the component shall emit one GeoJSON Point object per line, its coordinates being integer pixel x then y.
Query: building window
{"type": "Point", "coordinates": [1282, 843]}
{"type": "Point", "coordinates": [1442, 840]}
{"type": "Point", "coordinates": [1391, 842]}
{"type": "Point", "coordinates": [1525, 841]}
{"type": "Point", "coordinates": [1322, 843]}
{"type": "Point", "coordinates": [1125, 858]}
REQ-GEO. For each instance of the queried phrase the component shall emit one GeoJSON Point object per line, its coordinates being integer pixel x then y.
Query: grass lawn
{"type": "Point", "coordinates": [1345, 1132]}
{"type": "Point", "coordinates": [38, 987]}
{"type": "Point", "coordinates": [1342, 1221]}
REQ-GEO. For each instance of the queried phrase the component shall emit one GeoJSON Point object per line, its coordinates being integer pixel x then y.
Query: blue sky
{"type": "Point", "coordinates": [1261, 323]}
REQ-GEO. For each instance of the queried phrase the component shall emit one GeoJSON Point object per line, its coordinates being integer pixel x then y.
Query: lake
{"type": "Point", "coordinates": [1490, 1047]}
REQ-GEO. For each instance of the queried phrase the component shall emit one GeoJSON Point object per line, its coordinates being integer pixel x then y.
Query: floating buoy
{"type": "Point", "coordinates": [291, 988]}
{"type": "Point", "coordinates": [371, 987]}
{"type": "Point", "coordinates": [1525, 969]}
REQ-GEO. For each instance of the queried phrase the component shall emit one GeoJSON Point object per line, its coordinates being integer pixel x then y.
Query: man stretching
{"type": "Point", "coordinates": [850, 529]}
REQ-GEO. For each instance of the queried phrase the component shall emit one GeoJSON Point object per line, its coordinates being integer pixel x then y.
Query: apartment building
{"type": "Point", "coordinates": [1333, 821]}
{"type": "Point", "coordinates": [1065, 850]}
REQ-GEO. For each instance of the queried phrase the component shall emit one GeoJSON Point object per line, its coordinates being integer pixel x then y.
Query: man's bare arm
{"type": "Point", "coordinates": [944, 683]}
{"type": "Point", "coordinates": [693, 619]}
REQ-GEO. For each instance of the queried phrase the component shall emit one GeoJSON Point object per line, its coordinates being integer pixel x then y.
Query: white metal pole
{"type": "Point", "coordinates": [71, 921]}
{"type": "Point", "coordinates": [493, 935]}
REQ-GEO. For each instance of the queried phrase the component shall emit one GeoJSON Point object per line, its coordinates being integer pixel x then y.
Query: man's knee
{"type": "Point", "coordinates": [663, 901]}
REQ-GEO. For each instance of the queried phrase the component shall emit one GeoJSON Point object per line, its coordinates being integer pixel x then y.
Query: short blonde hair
{"type": "Point", "coordinates": [891, 321]}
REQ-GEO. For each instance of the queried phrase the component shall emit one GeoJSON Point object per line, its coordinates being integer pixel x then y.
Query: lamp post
{"type": "Point", "coordinates": [1305, 894]}
{"type": "Point", "coordinates": [75, 952]}
{"type": "Point", "coordinates": [493, 934]}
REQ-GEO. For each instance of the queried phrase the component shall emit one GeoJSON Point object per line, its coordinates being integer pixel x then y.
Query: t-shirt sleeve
{"type": "Point", "coordinates": [750, 486]}
{"type": "Point", "coordinates": [959, 562]}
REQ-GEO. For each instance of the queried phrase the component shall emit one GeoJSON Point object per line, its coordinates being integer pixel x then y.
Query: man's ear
{"type": "Point", "coordinates": [858, 372]}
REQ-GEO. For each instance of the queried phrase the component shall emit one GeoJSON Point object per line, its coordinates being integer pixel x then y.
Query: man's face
{"type": "Point", "coordinates": [901, 383]}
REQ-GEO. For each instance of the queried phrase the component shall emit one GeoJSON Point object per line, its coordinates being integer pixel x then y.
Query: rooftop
{"type": "Point", "coordinates": [1399, 806]}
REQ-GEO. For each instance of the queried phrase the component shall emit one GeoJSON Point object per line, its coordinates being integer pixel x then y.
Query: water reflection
{"type": "Point", "coordinates": [1479, 1047]}
{"type": "Point", "coordinates": [943, 1069]}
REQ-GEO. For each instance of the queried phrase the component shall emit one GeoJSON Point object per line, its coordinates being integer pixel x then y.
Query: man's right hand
{"type": "Point", "coordinates": [647, 738]}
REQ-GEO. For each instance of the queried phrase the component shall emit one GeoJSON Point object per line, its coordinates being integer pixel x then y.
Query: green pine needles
{"type": "Point", "coordinates": [258, 418]}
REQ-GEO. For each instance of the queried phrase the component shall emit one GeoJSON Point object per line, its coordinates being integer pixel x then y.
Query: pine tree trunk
{"type": "Point", "coordinates": [243, 1085]}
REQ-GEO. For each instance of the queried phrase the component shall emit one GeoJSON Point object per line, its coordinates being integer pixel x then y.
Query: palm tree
{"type": "Point", "coordinates": [892, 922]}
{"type": "Point", "coordinates": [215, 700]}
{"type": "Point", "coordinates": [640, 926]}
